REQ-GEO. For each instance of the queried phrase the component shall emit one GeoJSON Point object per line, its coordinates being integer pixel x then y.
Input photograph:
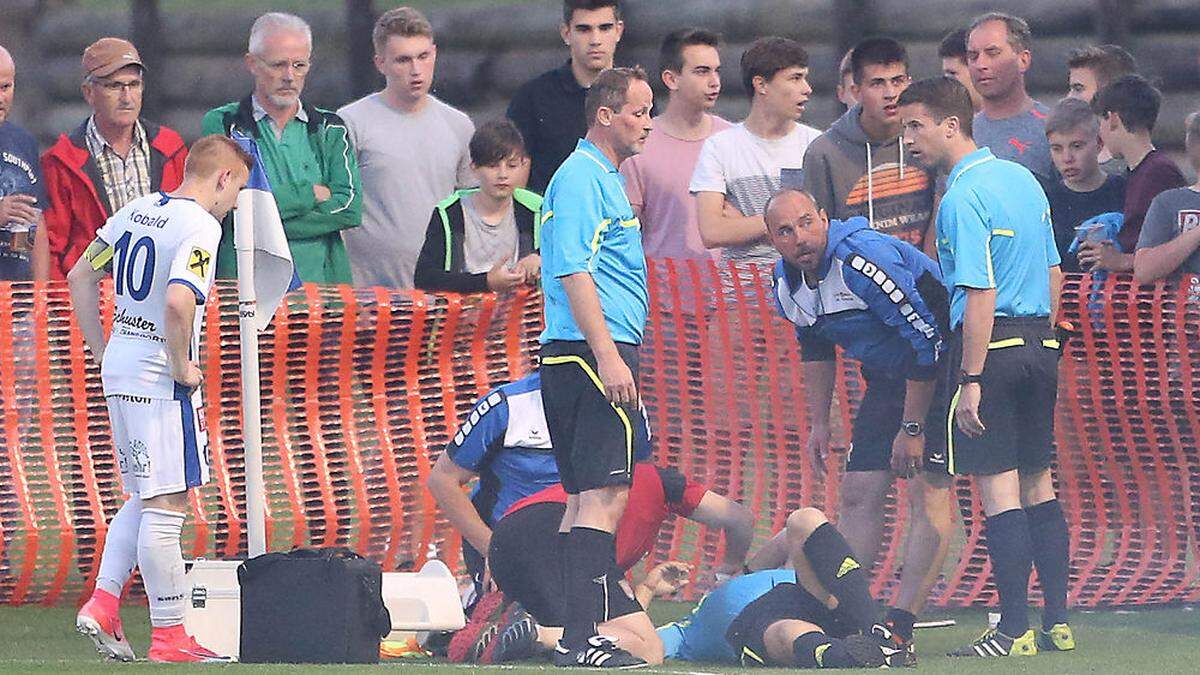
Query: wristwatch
{"type": "Point", "coordinates": [912, 428]}
{"type": "Point", "coordinates": [966, 378]}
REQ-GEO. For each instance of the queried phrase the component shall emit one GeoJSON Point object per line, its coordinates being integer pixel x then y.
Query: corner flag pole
{"type": "Point", "coordinates": [266, 274]}
{"type": "Point", "coordinates": [256, 504]}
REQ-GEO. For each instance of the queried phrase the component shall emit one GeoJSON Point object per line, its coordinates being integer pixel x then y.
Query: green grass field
{"type": "Point", "coordinates": [42, 640]}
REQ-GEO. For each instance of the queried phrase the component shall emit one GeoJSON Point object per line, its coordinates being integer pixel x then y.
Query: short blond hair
{"type": "Point", "coordinates": [402, 22]}
{"type": "Point", "coordinates": [215, 153]}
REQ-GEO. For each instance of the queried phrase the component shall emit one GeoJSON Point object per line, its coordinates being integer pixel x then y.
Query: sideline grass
{"type": "Point", "coordinates": [42, 640]}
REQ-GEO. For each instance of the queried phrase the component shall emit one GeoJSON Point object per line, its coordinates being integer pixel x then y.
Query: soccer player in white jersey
{"type": "Point", "coordinates": [160, 250]}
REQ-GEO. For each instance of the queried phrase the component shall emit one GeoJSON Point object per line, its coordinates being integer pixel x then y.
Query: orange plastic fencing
{"type": "Point", "coordinates": [361, 388]}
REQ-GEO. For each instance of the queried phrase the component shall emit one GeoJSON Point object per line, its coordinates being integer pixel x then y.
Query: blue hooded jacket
{"type": "Point", "coordinates": [879, 298]}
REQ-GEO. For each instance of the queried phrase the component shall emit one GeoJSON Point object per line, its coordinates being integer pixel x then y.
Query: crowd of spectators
{"type": "Point", "coordinates": [399, 189]}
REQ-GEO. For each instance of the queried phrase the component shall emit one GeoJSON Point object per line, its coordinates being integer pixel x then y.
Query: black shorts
{"type": "Point", "coordinates": [1017, 398]}
{"type": "Point", "coordinates": [524, 557]}
{"type": "Point", "coordinates": [878, 421]}
{"type": "Point", "coordinates": [787, 601]}
{"type": "Point", "coordinates": [593, 439]}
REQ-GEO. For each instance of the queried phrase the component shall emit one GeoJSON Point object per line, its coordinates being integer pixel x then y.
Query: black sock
{"type": "Point", "coordinates": [563, 577]}
{"type": "Point", "coordinates": [590, 554]}
{"type": "Point", "coordinates": [1051, 543]}
{"type": "Point", "coordinates": [902, 623]}
{"type": "Point", "coordinates": [818, 650]}
{"type": "Point", "coordinates": [1012, 562]}
{"type": "Point", "coordinates": [836, 568]}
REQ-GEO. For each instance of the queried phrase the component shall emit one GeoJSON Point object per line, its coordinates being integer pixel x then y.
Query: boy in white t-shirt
{"type": "Point", "coordinates": [741, 167]}
{"type": "Point", "coordinates": [160, 250]}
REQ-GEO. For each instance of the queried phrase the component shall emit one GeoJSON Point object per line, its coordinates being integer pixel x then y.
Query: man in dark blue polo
{"type": "Point", "coordinates": [1000, 263]}
{"type": "Point", "coordinates": [549, 108]}
{"type": "Point", "coordinates": [594, 281]}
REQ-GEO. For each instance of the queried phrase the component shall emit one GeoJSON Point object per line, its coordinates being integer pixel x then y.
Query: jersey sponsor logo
{"type": "Point", "coordinates": [1018, 145]}
{"type": "Point", "coordinates": [848, 566]}
{"type": "Point", "coordinates": [1188, 220]}
{"type": "Point", "coordinates": [482, 408]}
{"type": "Point", "coordinates": [198, 262]}
{"type": "Point", "coordinates": [893, 292]}
{"type": "Point", "coordinates": [130, 324]}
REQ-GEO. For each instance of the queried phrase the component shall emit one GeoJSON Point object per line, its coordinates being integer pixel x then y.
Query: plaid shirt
{"type": "Point", "coordinates": [125, 178]}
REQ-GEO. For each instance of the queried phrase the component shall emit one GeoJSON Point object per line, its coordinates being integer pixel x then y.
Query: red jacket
{"type": "Point", "coordinates": [79, 205]}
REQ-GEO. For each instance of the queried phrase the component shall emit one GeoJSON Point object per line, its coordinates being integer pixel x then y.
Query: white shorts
{"type": "Point", "coordinates": [161, 445]}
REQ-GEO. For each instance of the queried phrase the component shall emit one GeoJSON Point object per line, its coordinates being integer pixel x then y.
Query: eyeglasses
{"type": "Point", "coordinates": [115, 87]}
{"type": "Point", "coordinates": [281, 66]}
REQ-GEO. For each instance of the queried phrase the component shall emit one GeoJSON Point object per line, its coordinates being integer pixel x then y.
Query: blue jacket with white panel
{"type": "Point", "coordinates": [879, 298]}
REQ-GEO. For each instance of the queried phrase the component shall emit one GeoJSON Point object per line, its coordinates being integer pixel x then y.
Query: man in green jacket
{"type": "Point", "coordinates": [306, 152]}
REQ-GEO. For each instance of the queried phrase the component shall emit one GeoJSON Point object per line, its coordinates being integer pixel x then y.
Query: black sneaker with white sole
{"type": "Point", "coordinates": [599, 652]}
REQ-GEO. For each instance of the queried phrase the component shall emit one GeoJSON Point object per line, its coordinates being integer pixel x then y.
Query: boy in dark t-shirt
{"type": "Point", "coordinates": [1083, 190]}
{"type": "Point", "coordinates": [1170, 239]}
{"type": "Point", "coordinates": [1128, 109]}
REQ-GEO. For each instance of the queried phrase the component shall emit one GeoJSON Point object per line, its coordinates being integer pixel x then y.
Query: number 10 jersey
{"type": "Point", "coordinates": [151, 243]}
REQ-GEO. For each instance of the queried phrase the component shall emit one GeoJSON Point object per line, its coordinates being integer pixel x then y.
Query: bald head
{"type": "Point", "coordinates": [8, 76]}
{"type": "Point", "coordinates": [798, 229]}
{"type": "Point", "coordinates": [786, 201]}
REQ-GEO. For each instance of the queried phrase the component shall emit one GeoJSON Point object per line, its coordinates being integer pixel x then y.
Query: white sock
{"type": "Point", "coordinates": [161, 562]}
{"type": "Point", "coordinates": [120, 547]}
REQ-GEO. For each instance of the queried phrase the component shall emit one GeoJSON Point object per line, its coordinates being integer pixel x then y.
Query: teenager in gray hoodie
{"type": "Point", "coordinates": [858, 167]}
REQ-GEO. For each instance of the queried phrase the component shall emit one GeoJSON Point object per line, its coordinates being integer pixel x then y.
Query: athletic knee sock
{"type": "Point", "coordinates": [901, 622]}
{"type": "Point", "coordinates": [590, 555]}
{"type": "Point", "coordinates": [836, 568]}
{"type": "Point", "coordinates": [563, 578]}
{"type": "Point", "coordinates": [818, 650]}
{"type": "Point", "coordinates": [161, 563]}
{"type": "Point", "coordinates": [120, 549]}
{"type": "Point", "coordinates": [1051, 556]}
{"type": "Point", "coordinates": [1012, 562]}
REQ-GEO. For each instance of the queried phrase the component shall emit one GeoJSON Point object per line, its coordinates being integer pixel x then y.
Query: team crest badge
{"type": "Point", "coordinates": [198, 262]}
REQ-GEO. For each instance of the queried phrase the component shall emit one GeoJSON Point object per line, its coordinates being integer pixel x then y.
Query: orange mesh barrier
{"type": "Point", "coordinates": [361, 389]}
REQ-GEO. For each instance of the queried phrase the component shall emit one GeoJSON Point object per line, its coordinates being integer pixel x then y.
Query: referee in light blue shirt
{"type": "Point", "coordinates": [999, 261]}
{"type": "Point", "coordinates": [594, 280]}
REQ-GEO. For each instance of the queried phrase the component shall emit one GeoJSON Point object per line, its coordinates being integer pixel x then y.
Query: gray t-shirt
{"type": "Point", "coordinates": [485, 244]}
{"type": "Point", "coordinates": [408, 162]}
{"type": "Point", "coordinates": [1172, 213]}
{"type": "Point", "coordinates": [1020, 138]}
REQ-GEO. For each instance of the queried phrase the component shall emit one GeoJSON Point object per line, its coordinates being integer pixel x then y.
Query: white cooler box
{"type": "Point", "coordinates": [423, 601]}
{"type": "Point", "coordinates": [418, 602]}
{"type": "Point", "coordinates": [212, 610]}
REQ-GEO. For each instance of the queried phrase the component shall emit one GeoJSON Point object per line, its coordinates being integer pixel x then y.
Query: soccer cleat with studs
{"type": "Point", "coordinates": [104, 631]}
{"type": "Point", "coordinates": [518, 637]}
{"type": "Point", "coordinates": [599, 652]}
{"type": "Point", "coordinates": [1058, 639]}
{"type": "Point", "coordinates": [993, 643]}
{"type": "Point", "coordinates": [899, 652]}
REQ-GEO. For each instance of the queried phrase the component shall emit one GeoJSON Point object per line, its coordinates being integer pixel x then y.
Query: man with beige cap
{"type": "Point", "coordinates": [111, 159]}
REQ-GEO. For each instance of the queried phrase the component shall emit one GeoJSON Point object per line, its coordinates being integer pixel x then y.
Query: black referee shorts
{"type": "Point", "coordinates": [786, 601]}
{"type": "Point", "coordinates": [878, 421]}
{"type": "Point", "coordinates": [593, 439]}
{"type": "Point", "coordinates": [525, 561]}
{"type": "Point", "coordinates": [1017, 398]}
